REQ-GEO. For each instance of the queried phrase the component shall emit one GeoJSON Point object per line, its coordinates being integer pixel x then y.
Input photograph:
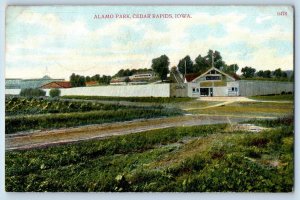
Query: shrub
{"type": "Point", "coordinates": [32, 92]}
{"type": "Point", "coordinates": [54, 92]}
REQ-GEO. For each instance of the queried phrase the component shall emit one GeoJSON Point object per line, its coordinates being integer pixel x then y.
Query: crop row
{"type": "Point", "coordinates": [131, 99]}
{"type": "Point", "coordinates": [25, 106]}
{"type": "Point", "coordinates": [34, 122]}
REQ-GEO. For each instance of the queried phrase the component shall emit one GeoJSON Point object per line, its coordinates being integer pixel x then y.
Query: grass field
{"type": "Point", "coordinates": [250, 109]}
{"type": "Point", "coordinates": [201, 158]}
{"type": "Point", "coordinates": [286, 97]}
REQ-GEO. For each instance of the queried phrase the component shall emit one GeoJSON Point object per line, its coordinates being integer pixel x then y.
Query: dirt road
{"type": "Point", "coordinates": [38, 139]}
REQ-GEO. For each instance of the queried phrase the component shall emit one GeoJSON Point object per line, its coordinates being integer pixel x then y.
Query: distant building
{"type": "Point", "coordinates": [11, 83]}
{"type": "Point", "coordinates": [57, 84]}
{"type": "Point", "coordinates": [136, 79]}
{"type": "Point", "coordinates": [119, 80]}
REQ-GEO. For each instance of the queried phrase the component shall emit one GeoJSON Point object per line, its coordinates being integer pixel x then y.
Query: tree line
{"type": "Point", "coordinates": [186, 65]}
{"type": "Point", "coordinates": [201, 64]}
{"type": "Point", "coordinates": [77, 80]}
{"type": "Point", "coordinates": [130, 72]}
{"type": "Point", "coordinates": [250, 72]}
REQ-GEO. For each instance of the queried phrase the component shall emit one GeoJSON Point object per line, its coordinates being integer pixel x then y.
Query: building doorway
{"type": "Point", "coordinates": [206, 92]}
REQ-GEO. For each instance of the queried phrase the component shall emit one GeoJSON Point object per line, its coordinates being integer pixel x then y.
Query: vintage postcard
{"type": "Point", "coordinates": [149, 99]}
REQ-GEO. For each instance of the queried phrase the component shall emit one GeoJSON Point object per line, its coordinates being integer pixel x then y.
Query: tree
{"type": "Point", "coordinates": [277, 73]}
{"type": "Point", "coordinates": [54, 92]}
{"type": "Point", "coordinates": [32, 92]}
{"type": "Point", "coordinates": [96, 77]}
{"type": "Point", "coordinates": [292, 76]}
{"type": "Point", "coordinates": [231, 69]}
{"type": "Point", "coordinates": [105, 80]}
{"type": "Point", "coordinates": [218, 62]}
{"type": "Point", "coordinates": [248, 72]}
{"type": "Point", "coordinates": [267, 74]}
{"type": "Point", "coordinates": [77, 80]}
{"type": "Point", "coordinates": [87, 78]}
{"type": "Point", "coordinates": [201, 64]}
{"type": "Point", "coordinates": [185, 65]}
{"type": "Point", "coordinates": [160, 66]}
{"type": "Point", "coordinates": [260, 73]}
{"type": "Point", "coordinates": [284, 75]}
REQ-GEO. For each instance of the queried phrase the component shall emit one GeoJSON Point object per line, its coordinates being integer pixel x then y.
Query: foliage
{"type": "Point", "coordinates": [264, 74]}
{"type": "Point", "coordinates": [277, 73]}
{"type": "Point", "coordinates": [286, 121]}
{"type": "Point", "coordinates": [54, 92]}
{"type": "Point", "coordinates": [207, 158]}
{"type": "Point", "coordinates": [32, 92]}
{"type": "Point", "coordinates": [31, 106]}
{"type": "Point", "coordinates": [217, 58]}
{"type": "Point", "coordinates": [66, 113]}
{"type": "Point", "coordinates": [23, 123]}
{"type": "Point", "coordinates": [231, 69]}
{"type": "Point", "coordinates": [201, 64]}
{"type": "Point", "coordinates": [248, 72]}
{"type": "Point", "coordinates": [131, 99]}
{"type": "Point", "coordinates": [77, 80]}
{"type": "Point", "coordinates": [160, 66]}
{"type": "Point", "coordinates": [80, 81]}
{"type": "Point", "coordinates": [185, 65]}
{"type": "Point", "coordinates": [130, 72]}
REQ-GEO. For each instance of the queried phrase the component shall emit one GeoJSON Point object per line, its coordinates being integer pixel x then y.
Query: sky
{"type": "Point", "coordinates": [61, 40]}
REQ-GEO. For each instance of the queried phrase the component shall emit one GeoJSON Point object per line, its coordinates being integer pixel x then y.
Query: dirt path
{"type": "Point", "coordinates": [45, 138]}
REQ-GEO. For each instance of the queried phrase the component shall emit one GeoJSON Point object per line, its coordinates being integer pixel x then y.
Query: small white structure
{"type": "Point", "coordinates": [213, 82]}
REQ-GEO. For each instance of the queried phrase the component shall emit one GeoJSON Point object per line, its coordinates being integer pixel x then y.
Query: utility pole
{"type": "Point", "coordinates": [184, 70]}
{"type": "Point", "coordinates": [212, 59]}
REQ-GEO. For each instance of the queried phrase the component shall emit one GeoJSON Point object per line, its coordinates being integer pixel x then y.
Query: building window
{"type": "Point", "coordinates": [233, 89]}
{"type": "Point", "coordinates": [197, 90]}
{"type": "Point", "coordinates": [213, 77]}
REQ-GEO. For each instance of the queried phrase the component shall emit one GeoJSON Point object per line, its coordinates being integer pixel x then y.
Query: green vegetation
{"type": "Point", "coordinates": [36, 113]}
{"type": "Point", "coordinates": [249, 109]}
{"type": "Point", "coordinates": [131, 99]}
{"type": "Point", "coordinates": [80, 81]}
{"type": "Point", "coordinates": [200, 158]}
{"type": "Point", "coordinates": [32, 92]}
{"type": "Point", "coordinates": [283, 97]}
{"type": "Point", "coordinates": [160, 66]}
{"type": "Point", "coordinates": [31, 106]}
{"type": "Point", "coordinates": [54, 93]}
{"type": "Point", "coordinates": [23, 123]}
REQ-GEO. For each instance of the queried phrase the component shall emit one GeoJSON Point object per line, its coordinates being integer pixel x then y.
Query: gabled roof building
{"type": "Point", "coordinates": [213, 82]}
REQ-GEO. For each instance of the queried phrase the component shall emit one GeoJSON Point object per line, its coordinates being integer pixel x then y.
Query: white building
{"type": "Point", "coordinates": [212, 83]}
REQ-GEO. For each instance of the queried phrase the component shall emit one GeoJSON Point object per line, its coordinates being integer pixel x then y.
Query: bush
{"type": "Point", "coordinates": [54, 93]}
{"type": "Point", "coordinates": [32, 92]}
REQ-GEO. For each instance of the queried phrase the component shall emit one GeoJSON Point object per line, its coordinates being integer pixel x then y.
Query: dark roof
{"type": "Point", "coordinates": [190, 77]}
{"type": "Point", "coordinates": [235, 76]}
{"type": "Point", "coordinates": [60, 84]}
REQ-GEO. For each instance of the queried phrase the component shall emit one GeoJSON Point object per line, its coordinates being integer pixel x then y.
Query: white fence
{"type": "Point", "coordinates": [154, 90]}
{"type": "Point", "coordinates": [253, 88]}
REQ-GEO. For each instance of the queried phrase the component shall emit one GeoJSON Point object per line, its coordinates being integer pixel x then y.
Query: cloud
{"type": "Point", "coordinates": [261, 19]}
{"type": "Point", "coordinates": [72, 45]}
